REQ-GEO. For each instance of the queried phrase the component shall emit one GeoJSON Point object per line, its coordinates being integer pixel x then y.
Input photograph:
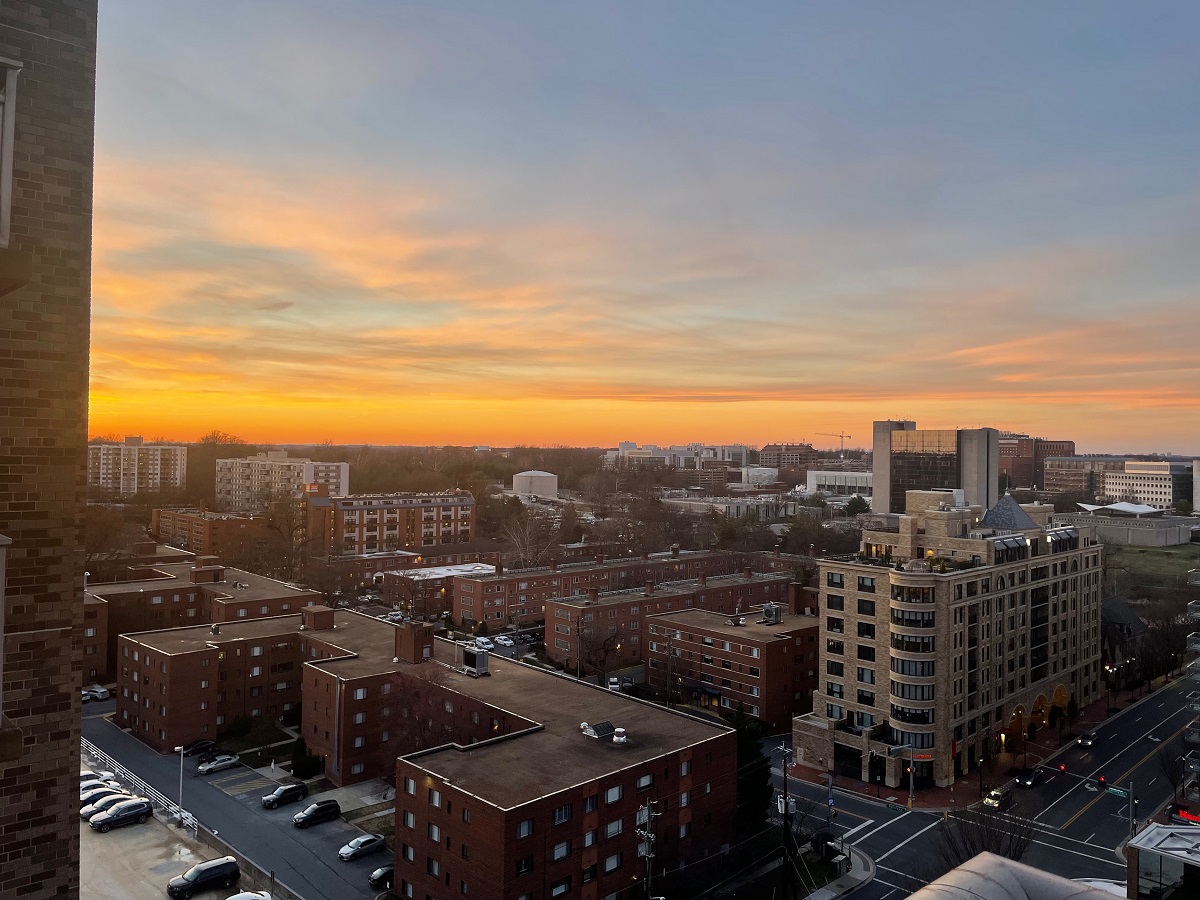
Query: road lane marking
{"type": "Point", "coordinates": [1089, 837]}
{"type": "Point", "coordinates": [1123, 779]}
{"type": "Point", "coordinates": [865, 823]}
{"type": "Point", "coordinates": [1084, 779]}
{"type": "Point", "coordinates": [883, 826]}
{"type": "Point", "coordinates": [1100, 859]}
{"type": "Point", "coordinates": [906, 840]}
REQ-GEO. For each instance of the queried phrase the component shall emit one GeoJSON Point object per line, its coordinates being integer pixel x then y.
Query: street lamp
{"type": "Point", "coordinates": [981, 776]}
{"type": "Point", "coordinates": [179, 750]}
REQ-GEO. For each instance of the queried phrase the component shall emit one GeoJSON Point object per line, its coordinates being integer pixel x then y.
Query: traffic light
{"type": "Point", "coordinates": [833, 814]}
{"type": "Point", "coordinates": [1101, 783]}
{"type": "Point", "coordinates": [1062, 768]}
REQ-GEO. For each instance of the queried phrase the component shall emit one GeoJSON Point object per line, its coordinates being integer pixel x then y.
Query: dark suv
{"type": "Point", "coordinates": [321, 811]}
{"type": "Point", "coordinates": [125, 813]}
{"type": "Point", "coordinates": [222, 872]}
{"type": "Point", "coordinates": [285, 793]}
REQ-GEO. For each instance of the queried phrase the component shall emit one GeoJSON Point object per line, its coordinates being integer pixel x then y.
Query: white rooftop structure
{"type": "Point", "coordinates": [991, 877]}
{"type": "Point", "coordinates": [1122, 508]}
{"type": "Point", "coordinates": [435, 572]}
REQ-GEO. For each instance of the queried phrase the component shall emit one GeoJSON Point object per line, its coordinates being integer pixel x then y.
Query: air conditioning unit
{"type": "Point", "coordinates": [475, 662]}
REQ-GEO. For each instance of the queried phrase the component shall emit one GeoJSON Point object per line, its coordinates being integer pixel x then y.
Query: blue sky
{"type": "Point", "coordinates": [546, 222]}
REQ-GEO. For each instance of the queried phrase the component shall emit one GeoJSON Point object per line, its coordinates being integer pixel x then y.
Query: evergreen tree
{"type": "Point", "coordinates": [754, 788]}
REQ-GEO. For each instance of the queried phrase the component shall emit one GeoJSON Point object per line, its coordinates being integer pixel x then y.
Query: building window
{"type": "Point", "coordinates": [589, 838]}
{"type": "Point", "coordinates": [407, 852]}
{"type": "Point", "coordinates": [410, 787]}
{"type": "Point", "coordinates": [590, 803]}
{"type": "Point", "coordinates": [242, 613]}
{"type": "Point", "coordinates": [435, 798]}
{"type": "Point", "coordinates": [613, 828]}
{"type": "Point", "coordinates": [410, 820]}
{"type": "Point", "coordinates": [525, 866]}
{"type": "Point", "coordinates": [359, 718]}
{"type": "Point", "coordinates": [561, 887]}
{"type": "Point", "coordinates": [360, 693]}
{"type": "Point", "coordinates": [613, 794]}
{"type": "Point", "coordinates": [435, 833]}
{"type": "Point", "coordinates": [562, 814]}
{"type": "Point", "coordinates": [255, 671]}
{"type": "Point", "coordinates": [612, 863]}
{"type": "Point", "coordinates": [561, 850]}
{"type": "Point", "coordinates": [432, 866]}
{"type": "Point", "coordinates": [685, 768]}
{"type": "Point", "coordinates": [645, 782]}
{"type": "Point", "coordinates": [685, 798]}
{"type": "Point", "coordinates": [256, 651]}
{"type": "Point", "coordinates": [360, 741]}
{"type": "Point", "coordinates": [525, 828]}
{"type": "Point", "coordinates": [357, 769]}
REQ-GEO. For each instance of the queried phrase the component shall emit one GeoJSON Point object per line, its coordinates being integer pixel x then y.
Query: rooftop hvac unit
{"type": "Point", "coordinates": [772, 614]}
{"type": "Point", "coordinates": [619, 736]}
{"type": "Point", "coordinates": [475, 662]}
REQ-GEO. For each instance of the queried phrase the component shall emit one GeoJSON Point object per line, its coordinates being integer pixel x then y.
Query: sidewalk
{"type": "Point", "coordinates": [862, 870]}
{"type": "Point", "coordinates": [969, 789]}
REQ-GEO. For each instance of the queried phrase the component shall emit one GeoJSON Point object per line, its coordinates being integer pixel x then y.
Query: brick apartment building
{"type": "Point", "coordinates": [254, 483]}
{"type": "Point", "coordinates": [370, 523]}
{"type": "Point", "coordinates": [47, 113]}
{"type": "Point", "coordinates": [1023, 458]}
{"type": "Point", "coordinates": [208, 533]}
{"type": "Point", "coordinates": [604, 631]}
{"type": "Point", "coordinates": [521, 594]}
{"type": "Point", "coordinates": [172, 595]}
{"type": "Point", "coordinates": [353, 573]}
{"type": "Point", "coordinates": [553, 810]}
{"type": "Point", "coordinates": [764, 659]}
{"type": "Point", "coordinates": [950, 632]}
{"type": "Point", "coordinates": [797, 457]}
{"type": "Point", "coordinates": [136, 467]}
{"type": "Point", "coordinates": [426, 592]}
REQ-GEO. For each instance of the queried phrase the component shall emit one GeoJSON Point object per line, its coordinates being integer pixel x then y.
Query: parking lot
{"type": "Point", "coordinates": [227, 803]}
{"type": "Point", "coordinates": [134, 863]}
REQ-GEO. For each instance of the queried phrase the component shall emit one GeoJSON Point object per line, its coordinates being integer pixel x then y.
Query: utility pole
{"type": "Point", "coordinates": [645, 818]}
{"type": "Point", "coordinates": [911, 773]}
{"type": "Point", "coordinates": [786, 807]}
{"type": "Point", "coordinates": [1132, 811]}
{"type": "Point", "coordinates": [670, 667]}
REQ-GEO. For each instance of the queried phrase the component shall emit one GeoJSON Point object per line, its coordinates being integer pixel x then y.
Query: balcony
{"type": "Point", "coordinates": [1193, 640]}
{"type": "Point", "coordinates": [1192, 761]}
{"type": "Point", "coordinates": [1194, 610]}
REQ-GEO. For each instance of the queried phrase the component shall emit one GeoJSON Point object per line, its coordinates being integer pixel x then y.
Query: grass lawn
{"type": "Point", "coordinates": [257, 759]}
{"type": "Point", "coordinates": [1166, 566]}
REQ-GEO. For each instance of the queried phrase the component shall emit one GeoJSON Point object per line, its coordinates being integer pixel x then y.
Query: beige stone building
{"type": "Point", "coordinates": [949, 633]}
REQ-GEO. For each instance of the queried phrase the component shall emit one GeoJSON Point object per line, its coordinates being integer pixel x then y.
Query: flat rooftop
{"type": "Point", "coordinates": [519, 768]}
{"type": "Point", "coordinates": [434, 572]}
{"type": "Point", "coordinates": [551, 755]}
{"type": "Point", "coordinates": [681, 588]}
{"type": "Point", "coordinates": [754, 629]}
{"type": "Point", "coordinates": [175, 577]}
{"type": "Point", "coordinates": [615, 563]}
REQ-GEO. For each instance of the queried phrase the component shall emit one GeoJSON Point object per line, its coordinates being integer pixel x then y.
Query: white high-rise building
{"type": "Point", "coordinates": [135, 467]}
{"type": "Point", "coordinates": [252, 484]}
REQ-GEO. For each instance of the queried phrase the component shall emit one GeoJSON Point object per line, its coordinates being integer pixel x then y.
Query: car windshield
{"type": "Point", "coordinates": [311, 809]}
{"type": "Point", "coordinates": [995, 795]}
{"type": "Point", "coordinates": [359, 841]}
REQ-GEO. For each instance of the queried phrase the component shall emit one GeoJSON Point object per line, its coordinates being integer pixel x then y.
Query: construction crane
{"type": "Point", "coordinates": [841, 435]}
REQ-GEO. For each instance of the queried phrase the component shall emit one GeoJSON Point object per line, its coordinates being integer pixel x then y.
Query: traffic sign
{"type": "Point", "coordinates": [831, 803]}
{"type": "Point", "coordinates": [1118, 792]}
{"type": "Point", "coordinates": [898, 807]}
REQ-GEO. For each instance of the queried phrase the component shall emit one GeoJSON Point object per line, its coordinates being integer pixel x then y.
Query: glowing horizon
{"type": "Point", "coordinates": [566, 226]}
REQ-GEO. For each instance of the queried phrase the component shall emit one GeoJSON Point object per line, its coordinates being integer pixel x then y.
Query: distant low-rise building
{"type": "Point", "coordinates": [369, 523]}
{"type": "Point", "coordinates": [136, 467]}
{"type": "Point", "coordinates": [535, 483]}
{"type": "Point", "coordinates": [427, 592]}
{"type": "Point", "coordinates": [208, 533]}
{"type": "Point", "coordinates": [254, 483]}
{"type": "Point", "coordinates": [355, 572]}
{"type": "Point", "coordinates": [769, 508]}
{"type": "Point", "coordinates": [678, 456]}
{"type": "Point", "coordinates": [1157, 483]}
{"type": "Point", "coordinates": [1132, 524]}
{"type": "Point", "coordinates": [840, 484]}
{"type": "Point", "coordinates": [1023, 458]}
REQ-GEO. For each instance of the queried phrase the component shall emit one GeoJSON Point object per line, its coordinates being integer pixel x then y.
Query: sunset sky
{"type": "Point", "coordinates": [498, 223]}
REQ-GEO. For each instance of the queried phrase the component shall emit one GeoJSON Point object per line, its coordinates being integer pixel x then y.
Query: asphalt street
{"type": "Point", "coordinates": [1078, 828]}
{"type": "Point", "coordinates": [305, 860]}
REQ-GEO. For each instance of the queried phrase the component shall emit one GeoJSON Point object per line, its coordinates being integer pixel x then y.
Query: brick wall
{"type": "Point", "coordinates": [43, 415]}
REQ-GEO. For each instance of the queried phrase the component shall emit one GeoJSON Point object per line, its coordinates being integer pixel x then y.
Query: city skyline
{"type": "Point", "coordinates": [412, 225]}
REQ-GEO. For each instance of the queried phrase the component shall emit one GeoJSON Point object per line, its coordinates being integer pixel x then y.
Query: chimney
{"type": "Point", "coordinates": [593, 594]}
{"type": "Point", "coordinates": [703, 579]}
{"type": "Point", "coordinates": [649, 588]}
{"type": "Point", "coordinates": [317, 618]}
{"type": "Point", "coordinates": [674, 551]}
{"type": "Point", "coordinates": [499, 565]}
{"type": "Point", "coordinates": [748, 572]}
{"type": "Point", "coordinates": [414, 641]}
{"type": "Point", "coordinates": [645, 555]}
{"type": "Point", "coordinates": [553, 565]}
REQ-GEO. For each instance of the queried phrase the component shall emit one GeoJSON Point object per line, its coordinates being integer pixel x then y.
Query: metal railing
{"type": "Point", "coordinates": [168, 806]}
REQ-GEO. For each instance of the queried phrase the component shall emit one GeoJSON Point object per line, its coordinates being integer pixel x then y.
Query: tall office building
{"type": "Point", "coordinates": [136, 467]}
{"type": "Point", "coordinates": [47, 114]}
{"type": "Point", "coordinates": [910, 459]}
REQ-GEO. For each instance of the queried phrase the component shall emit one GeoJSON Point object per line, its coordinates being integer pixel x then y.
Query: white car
{"type": "Point", "coordinates": [484, 644]}
{"type": "Point", "coordinates": [98, 692]}
{"type": "Point", "coordinates": [504, 641]}
{"type": "Point", "coordinates": [614, 683]}
{"type": "Point", "coordinates": [221, 761]}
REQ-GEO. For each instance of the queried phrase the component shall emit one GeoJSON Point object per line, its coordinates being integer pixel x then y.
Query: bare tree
{"type": "Point", "coordinates": [531, 539]}
{"type": "Point", "coordinates": [1174, 769]}
{"type": "Point", "coordinates": [598, 644]}
{"type": "Point", "coordinates": [970, 832]}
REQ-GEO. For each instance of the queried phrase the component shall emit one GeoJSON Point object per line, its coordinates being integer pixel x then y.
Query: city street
{"type": "Point", "coordinates": [1078, 828]}
{"type": "Point", "coordinates": [303, 859]}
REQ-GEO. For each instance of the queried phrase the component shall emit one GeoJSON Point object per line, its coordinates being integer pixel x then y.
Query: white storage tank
{"type": "Point", "coordinates": [535, 483]}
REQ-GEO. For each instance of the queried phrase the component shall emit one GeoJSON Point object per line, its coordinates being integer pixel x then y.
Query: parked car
{"type": "Point", "coordinates": [1088, 739]}
{"type": "Point", "coordinates": [200, 746]}
{"type": "Point", "coordinates": [126, 813]}
{"type": "Point", "coordinates": [381, 878]}
{"type": "Point", "coordinates": [93, 783]}
{"type": "Point", "coordinates": [220, 872]}
{"type": "Point", "coordinates": [999, 798]}
{"type": "Point", "coordinates": [1029, 777]}
{"type": "Point", "coordinates": [484, 643]}
{"type": "Point", "coordinates": [98, 806]}
{"type": "Point", "coordinates": [98, 692]}
{"type": "Point", "coordinates": [85, 697]}
{"type": "Point", "coordinates": [250, 895]}
{"type": "Point", "coordinates": [285, 793]}
{"type": "Point", "coordinates": [614, 683]}
{"type": "Point", "coordinates": [315, 813]}
{"type": "Point", "coordinates": [89, 775]}
{"type": "Point", "coordinates": [363, 845]}
{"type": "Point", "coordinates": [525, 638]}
{"type": "Point", "coordinates": [503, 640]}
{"type": "Point", "coordinates": [627, 683]}
{"type": "Point", "coordinates": [91, 795]}
{"type": "Point", "coordinates": [221, 761]}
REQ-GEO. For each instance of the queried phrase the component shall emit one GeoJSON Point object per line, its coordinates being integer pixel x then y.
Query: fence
{"type": "Point", "coordinates": [258, 877]}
